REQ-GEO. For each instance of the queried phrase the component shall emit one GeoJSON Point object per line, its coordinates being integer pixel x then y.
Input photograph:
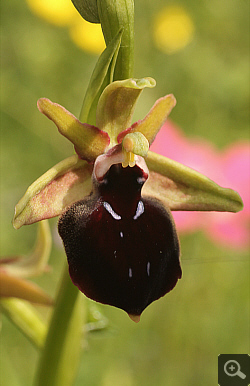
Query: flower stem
{"type": "Point", "coordinates": [62, 348]}
{"type": "Point", "coordinates": [26, 318]}
{"type": "Point", "coordinates": [114, 15]}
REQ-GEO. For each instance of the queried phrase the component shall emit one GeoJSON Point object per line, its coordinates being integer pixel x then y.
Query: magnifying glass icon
{"type": "Point", "coordinates": [232, 368]}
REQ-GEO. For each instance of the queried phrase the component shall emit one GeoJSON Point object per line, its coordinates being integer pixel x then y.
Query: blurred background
{"type": "Point", "coordinates": [199, 51]}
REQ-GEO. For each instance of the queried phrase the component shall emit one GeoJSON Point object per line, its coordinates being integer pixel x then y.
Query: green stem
{"type": "Point", "coordinates": [114, 15]}
{"type": "Point", "coordinates": [26, 318]}
{"type": "Point", "coordinates": [51, 371]}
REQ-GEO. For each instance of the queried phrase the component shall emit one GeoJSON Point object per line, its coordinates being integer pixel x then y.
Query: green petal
{"type": "Point", "coordinates": [15, 287]}
{"type": "Point", "coordinates": [182, 188]}
{"type": "Point", "coordinates": [88, 140]}
{"type": "Point", "coordinates": [154, 120]}
{"type": "Point", "coordinates": [117, 103]}
{"type": "Point", "coordinates": [34, 264]}
{"type": "Point", "coordinates": [62, 185]}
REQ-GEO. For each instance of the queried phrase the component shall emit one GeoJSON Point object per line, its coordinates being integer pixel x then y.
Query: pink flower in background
{"type": "Point", "coordinates": [230, 168]}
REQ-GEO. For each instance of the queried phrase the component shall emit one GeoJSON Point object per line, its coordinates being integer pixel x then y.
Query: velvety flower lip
{"type": "Point", "coordinates": [122, 248]}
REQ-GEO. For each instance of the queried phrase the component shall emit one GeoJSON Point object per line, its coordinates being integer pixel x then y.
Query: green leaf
{"type": "Point", "coordinates": [99, 79]}
{"type": "Point", "coordinates": [182, 188]}
{"type": "Point", "coordinates": [87, 9]}
{"type": "Point", "coordinates": [62, 185]}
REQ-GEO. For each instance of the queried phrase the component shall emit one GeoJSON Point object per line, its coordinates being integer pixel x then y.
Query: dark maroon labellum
{"type": "Point", "coordinates": [122, 249]}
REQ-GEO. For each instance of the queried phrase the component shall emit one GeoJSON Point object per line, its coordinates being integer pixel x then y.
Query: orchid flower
{"type": "Point", "coordinates": [114, 198]}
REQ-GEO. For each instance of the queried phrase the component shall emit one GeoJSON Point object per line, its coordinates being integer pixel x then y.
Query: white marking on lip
{"type": "Point", "coordinates": [139, 210]}
{"type": "Point", "coordinates": [140, 180]}
{"type": "Point", "coordinates": [148, 268]}
{"type": "Point", "coordinates": [121, 234]}
{"type": "Point", "coordinates": [109, 209]}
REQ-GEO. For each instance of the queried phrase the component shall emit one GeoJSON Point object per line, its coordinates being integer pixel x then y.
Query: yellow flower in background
{"type": "Point", "coordinates": [58, 12]}
{"type": "Point", "coordinates": [173, 29]}
{"type": "Point", "coordinates": [87, 36]}
{"type": "Point", "coordinates": [62, 13]}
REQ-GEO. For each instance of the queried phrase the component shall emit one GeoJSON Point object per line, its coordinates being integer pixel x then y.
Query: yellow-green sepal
{"type": "Point", "coordinates": [62, 185]}
{"type": "Point", "coordinates": [154, 120]}
{"type": "Point", "coordinates": [117, 103]}
{"type": "Point", "coordinates": [182, 188]}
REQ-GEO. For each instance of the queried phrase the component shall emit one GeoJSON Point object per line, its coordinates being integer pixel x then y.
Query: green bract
{"type": "Point", "coordinates": [15, 270]}
{"type": "Point", "coordinates": [177, 186]}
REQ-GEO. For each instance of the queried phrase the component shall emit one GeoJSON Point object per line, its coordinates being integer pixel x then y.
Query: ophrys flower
{"type": "Point", "coordinates": [115, 208]}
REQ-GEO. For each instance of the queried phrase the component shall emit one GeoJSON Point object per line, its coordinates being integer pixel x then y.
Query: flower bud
{"type": "Point", "coordinates": [87, 9]}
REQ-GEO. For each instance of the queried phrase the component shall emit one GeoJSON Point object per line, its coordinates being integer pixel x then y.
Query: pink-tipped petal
{"type": "Point", "coordinates": [153, 121]}
{"type": "Point", "coordinates": [59, 187]}
{"type": "Point", "coordinates": [88, 140]}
